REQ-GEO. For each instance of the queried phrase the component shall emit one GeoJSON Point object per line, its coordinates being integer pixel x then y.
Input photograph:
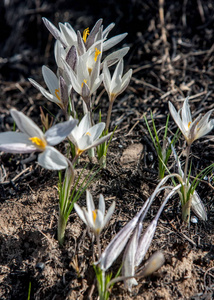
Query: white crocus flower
{"type": "Point", "coordinates": [192, 130]}
{"type": "Point", "coordinates": [32, 139]}
{"type": "Point", "coordinates": [68, 37]}
{"type": "Point", "coordinates": [85, 81]}
{"type": "Point", "coordinates": [84, 136]}
{"type": "Point", "coordinates": [95, 219]}
{"type": "Point", "coordinates": [196, 204]}
{"type": "Point", "coordinates": [58, 89]}
{"type": "Point", "coordinates": [118, 83]}
{"type": "Point", "coordinates": [115, 85]}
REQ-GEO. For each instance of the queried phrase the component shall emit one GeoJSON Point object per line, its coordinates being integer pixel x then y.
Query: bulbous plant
{"type": "Point", "coordinates": [128, 238]}
{"type": "Point", "coordinates": [191, 130]}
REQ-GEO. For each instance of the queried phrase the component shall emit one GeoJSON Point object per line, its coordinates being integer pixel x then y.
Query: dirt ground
{"type": "Point", "coordinates": [171, 54]}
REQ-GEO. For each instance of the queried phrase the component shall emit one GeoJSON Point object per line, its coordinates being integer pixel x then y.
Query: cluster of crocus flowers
{"type": "Point", "coordinates": [31, 139]}
{"type": "Point", "coordinates": [81, 67]}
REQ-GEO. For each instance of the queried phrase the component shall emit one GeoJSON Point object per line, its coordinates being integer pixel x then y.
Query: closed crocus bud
{"type": "Point", "coordinates": [154, 263]}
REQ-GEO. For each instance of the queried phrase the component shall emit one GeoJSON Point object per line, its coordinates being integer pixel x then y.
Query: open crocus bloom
{"type": "Point", "coordinates": [68, 37]}
{"type": "Point", "coordinates": [86, 80]}
{"type": "Point", "coordinates": [84, 136]}
{"type": "Point", "coordinates": [117, 84]}
{"type": "Point", "coordinates": [32, 139]}
{"type": "Point", "coordinates": [95, 219]}
{"type": "Point", "coordinates": [58, 89]}
{"type": "Point", "coordinates": [192, 130]}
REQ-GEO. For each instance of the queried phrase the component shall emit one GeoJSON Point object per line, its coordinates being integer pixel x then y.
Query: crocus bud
{"type": "Point", "coordinates": [154, 263]}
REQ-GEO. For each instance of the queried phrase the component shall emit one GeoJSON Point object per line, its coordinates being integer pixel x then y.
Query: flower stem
{"type": "Point", "coordinates": [75, 159]}
{"type": "Point", "coordinates": [98, 245]}
{"type": "Point", "coordinates": [61, 229]}
{"type": "Point", "coordinates": [109, 115]}
{"type": "Point", "coordinates": [187, 202]}
{"type": "Point", "coordinates": [187, 162]}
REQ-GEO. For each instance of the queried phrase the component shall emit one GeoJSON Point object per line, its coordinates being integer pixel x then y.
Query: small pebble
{"type": "Point", "coordinates": [194, 220]}
{"type": "Point", "coordinates": [40, 266]}
{"type": "Point", "coordinates": [120, 146]}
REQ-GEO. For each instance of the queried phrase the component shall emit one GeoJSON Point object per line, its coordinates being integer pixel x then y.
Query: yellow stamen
{"type": "Point", "coordinates": [89, 71]}
{"type": "Point", "coordinates": [85, 34]}
{"type": "Point", "coordinates": [84, 81]}
{"type": "Point", "coordinates": [41, 144]}
{"type": "Point", "coordinates": [57, 94]}
{"type": "Point", "coordinates": [94, 212]}
{"type": "Point", "coordinates": [189, 124]}
{"type": "Point", "coordinates": [88, 133]}
{"type": "Point", "coordinates": [97, 52]}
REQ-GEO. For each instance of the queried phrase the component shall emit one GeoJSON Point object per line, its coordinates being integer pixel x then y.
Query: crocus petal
{"type": "Point", "coordinates": [73, 78]}
{"type": "Point", "coordinates": [204, 130]}
{"type": "Point", "coordinates": [50, 79]}
{"type": "Point", "coordinates": [102, 207]}
{"type": "Point", "coordinates": [109, 214]}
{"type": "Point", "coordinates": [26, 125]}
{"type": "Point", "coordinates": [59, 132]}
{"type": "Point", "coordinates": [94, 31]}
{"type": "Point", "coordinates": [125, 81]}
{"type": "Point", "coordinates": [54, 31]}
{"type": "Point", "coordinates": [100, 141]}
{"type": "Point", "coordinates": [80, 212]}
{"type": "Point", "coordinates": [96, 130]}
{"type": "Point", "coordinates": [47, 95]}
{"type": "Point", "coordinates": [99, 221]}
{"type": "Point", "coordinates": [84, 124]}
{"type": "Point", "coordinates": [113, 41]}
{"type": "Point", "coordinates": [177, 118]}
{"type": "Point", "coordinates": [186, 114]}
{"type": "Point", "coordinates": [114, 57]}
{"type": "Point", "coordinates": [59, 53]}
{"type": "Point", "coordinates": [85, 92]}
{"type": "Point", "coordinates": [96, 84]}
{"type": "Point", "coordinates": [69, 35]}
{"type": "Point", "coordinates": [89, 201]}
{"type": "Point", "coordinates": [129, 260]}
{"type": "Point", "coordinates": [85, 143]}
{"type": "Point", "coordinates": [145, 242]}
{"type": "Point", "coordinates": [80, 44]}
{"type": "Point", "coordinates": [52, 159]}
{"type": "Point", "coordinates": [71, 57]}
{"type": "Point", "coordinates": [118, 71]}
{"type": "Point", "coordinates": [107, 78]}
{"type": "Point", "coordinates": [15, 142]}
{"type": "Point", "coordinates": [108, 29]}
{"type": "Point", "coordinates": [204, 120]}
{"type": "Point", "coordinates": [198, 207]}
{"type": "Point", "coordinates": [89, 218]}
